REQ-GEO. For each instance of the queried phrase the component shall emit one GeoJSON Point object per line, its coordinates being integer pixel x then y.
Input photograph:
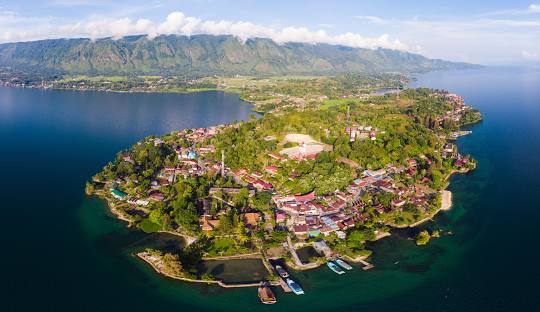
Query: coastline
{"type": "Point", "coordinates": [445, 204]}
{"type": "Point", "coordinates": [154, 263]}
{"type": "Point", "coordinates": [121, 216]}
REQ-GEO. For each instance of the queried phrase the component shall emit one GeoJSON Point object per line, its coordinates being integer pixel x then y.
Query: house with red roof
{"type": "Point", "coordinates": [271, 170]}
{"type": "Point", "coordinates": [305, 198]}
{"type": "Point", "coordinates": [262, 185]}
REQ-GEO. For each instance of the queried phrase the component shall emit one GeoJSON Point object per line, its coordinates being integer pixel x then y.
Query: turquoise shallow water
{"type": "Point", "coordinates": [65, 252]}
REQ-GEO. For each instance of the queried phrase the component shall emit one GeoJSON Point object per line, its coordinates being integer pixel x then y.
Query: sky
{"type": "Point", "coordinates": [477, 31]}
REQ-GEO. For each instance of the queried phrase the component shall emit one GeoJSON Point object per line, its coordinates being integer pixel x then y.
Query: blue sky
{"type": "Point", "coordinates": [486, 32]}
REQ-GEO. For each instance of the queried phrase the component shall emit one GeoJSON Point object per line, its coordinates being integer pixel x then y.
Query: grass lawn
{"type": "Point", "coordinates": [148, 226]}
{"type": "Point", "coordinates": [225, 247]}
{"type": "Point", "coordinates": [331, 103]}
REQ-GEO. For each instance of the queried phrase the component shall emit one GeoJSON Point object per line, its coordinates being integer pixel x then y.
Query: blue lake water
{"type": "Point", "coordinates": [63, 251]}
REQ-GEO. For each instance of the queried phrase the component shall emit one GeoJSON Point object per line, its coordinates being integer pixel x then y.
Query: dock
{"type": "Point", "coordinates": [366, 265]}
{"type": "Point", "coordinates": [271, 269]}
{"type": "Point", "coordinates": [284, 286]}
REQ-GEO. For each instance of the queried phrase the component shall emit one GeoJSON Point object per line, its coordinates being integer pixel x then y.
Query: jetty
{"type": "Point", "coordinates": [366, 265]}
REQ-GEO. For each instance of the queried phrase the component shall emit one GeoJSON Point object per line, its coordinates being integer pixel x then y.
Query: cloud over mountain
{"type": "Point", "coordinates": [181, 24]}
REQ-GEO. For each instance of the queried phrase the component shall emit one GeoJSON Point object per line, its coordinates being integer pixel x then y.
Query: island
{"type": "Point", "coordinates": [323, 171]}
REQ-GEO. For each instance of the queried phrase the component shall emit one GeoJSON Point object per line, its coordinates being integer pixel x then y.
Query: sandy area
{"type": "Point", "coordinates": [446, 200]}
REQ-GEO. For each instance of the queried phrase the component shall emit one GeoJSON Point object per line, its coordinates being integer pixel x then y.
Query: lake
{"type": "Point", "coordinates": [64, 251]}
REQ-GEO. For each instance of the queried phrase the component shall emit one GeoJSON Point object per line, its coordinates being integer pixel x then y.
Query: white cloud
{"type": "Point", "coordinates": [530, 56]}
{"type": "Point", "coordinates": [534, 8]}
{"type": "Point", "coordinates": [531, 9]}
{"type": "Point", "coordinates": [181, 24]}
{"type": "Point", "coordinates": [478, 39]}
{"type": "Point", "coordinates": [373, 19]}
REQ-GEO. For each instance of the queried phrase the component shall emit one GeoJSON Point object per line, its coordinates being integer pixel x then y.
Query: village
{"type": "Point", "coordinates": [304, 215]}
{"type": "Point", "coordinates": [200, 185]}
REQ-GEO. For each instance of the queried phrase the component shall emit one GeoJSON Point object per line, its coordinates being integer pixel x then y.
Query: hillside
{"type": "Point", "coordinates": [205, 55]}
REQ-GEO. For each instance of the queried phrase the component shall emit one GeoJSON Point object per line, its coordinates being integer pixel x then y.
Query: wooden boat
{"type": "Point", "coordinates": [281, 271]}
{"type": "Point", "coordinates": [266, 295]}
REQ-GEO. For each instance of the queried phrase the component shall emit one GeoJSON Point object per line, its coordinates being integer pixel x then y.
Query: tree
{"type": "Point", "coordinates": [187, 218]}
{"type": "Point", "coordinates": [241, 232]}
{"type": "Point", "coordinates": [241, 199]}
{"type": "Point", "coordinates": [422, 238]}
{"type": "Point", "coordinates": [172, 265]}
{"type": "Point", "coordinates": [261, 201]}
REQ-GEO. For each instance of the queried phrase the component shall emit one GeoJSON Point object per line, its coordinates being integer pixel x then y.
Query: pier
{"type": "Point", "coordinates": [366, 264]}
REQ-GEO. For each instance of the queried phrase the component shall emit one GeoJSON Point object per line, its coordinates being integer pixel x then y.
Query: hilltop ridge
{"type": "Point", "coordinates": [204, 55]}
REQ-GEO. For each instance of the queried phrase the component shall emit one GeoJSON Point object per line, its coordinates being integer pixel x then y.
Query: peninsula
{"type": "Point", "coordinates": [330, 173]}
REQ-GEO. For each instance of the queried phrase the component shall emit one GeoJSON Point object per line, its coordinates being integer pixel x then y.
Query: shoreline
{"type": "Point", "coordinates": [153, 263]}
{"type": "Point", "coordinates": [121, 216]}
{"type": "Point", "coordinates": [445, 205]}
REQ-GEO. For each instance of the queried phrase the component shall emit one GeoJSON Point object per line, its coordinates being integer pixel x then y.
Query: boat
{"type": "Point", "coordinates": [344, 264]}
{"type": "Point", "coordinates": [281, 271]}
{"type": "Point", "coordinates": [266, 295]}
{"type": "Point", "coordinates": [294, 287]}
{"type": "Point", "coordinates": [334, 267]}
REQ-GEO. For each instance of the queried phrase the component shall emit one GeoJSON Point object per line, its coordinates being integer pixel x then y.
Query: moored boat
{"type": "Point", "coordinates": [343, 264]}
{"type": "Point", "coordinates": [281, 271]}
{"type": "Point", "coordinates": [294, 287]}
{"type": "Point", "coordinates": [266, 295]}
{"type": "Point", "coordinates": [334, 267]}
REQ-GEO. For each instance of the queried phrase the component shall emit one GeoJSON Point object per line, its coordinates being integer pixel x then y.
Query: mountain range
{"type": "Point", "coordinates": [202, 55]}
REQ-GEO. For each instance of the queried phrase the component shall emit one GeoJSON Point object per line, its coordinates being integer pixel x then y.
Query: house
{"type": "Point", "coordinates": [305, 198]}
{"type": "Point", "coordinates": [300, 229]}
{"type": "Point", "coordinates": [348, 223]}
{"type": "Point", "coordinates": [139, 202]}
{"type": "Point", "coordinates": [127, 158]}
{"type": "Point", "coordinates": [277, 157]}
{"type": "Point", "coordinates": [271, 170]}
{"type": "Point", "coordinates": [341, 234]}
{"type": "Point", "coordinates": [326, 230]}
{"type": "Point", "coordinates": [360, 182]}
{"type": "Point", "coordinates": [257, 175]}
{"type": "Point", "coordinates": [412, 162]}
{"type": "Point", "coordinates": [282, 199]}
{"type": "Point", "coordinates": [280, 216]}
{"type": "Point", "coordinates": [375, 173]}
{"type": "Point", "coordinates": [240, 172]}
{"type": "Point", "coordinates": [157, 196]}
{"type": "Point", "coordinates": [252, 218]}
{"type": "Point", "coordinates": [207, 224]}
{"type": "Point", "coordinates": [262, 185]}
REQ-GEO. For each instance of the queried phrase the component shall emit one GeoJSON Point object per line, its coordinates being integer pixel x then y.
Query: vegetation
{"type": "Point", "coordinates": [171, 263]}
{"type": "Point", "coordinates": [204, 55]}
{"type": "Point", "coordinates": [422, 238]}
{"type": "Point", "coordinates": [403, 134]}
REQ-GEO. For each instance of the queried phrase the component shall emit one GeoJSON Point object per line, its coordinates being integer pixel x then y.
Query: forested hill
{"type": "Point", "coordinates": [205, 55]}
